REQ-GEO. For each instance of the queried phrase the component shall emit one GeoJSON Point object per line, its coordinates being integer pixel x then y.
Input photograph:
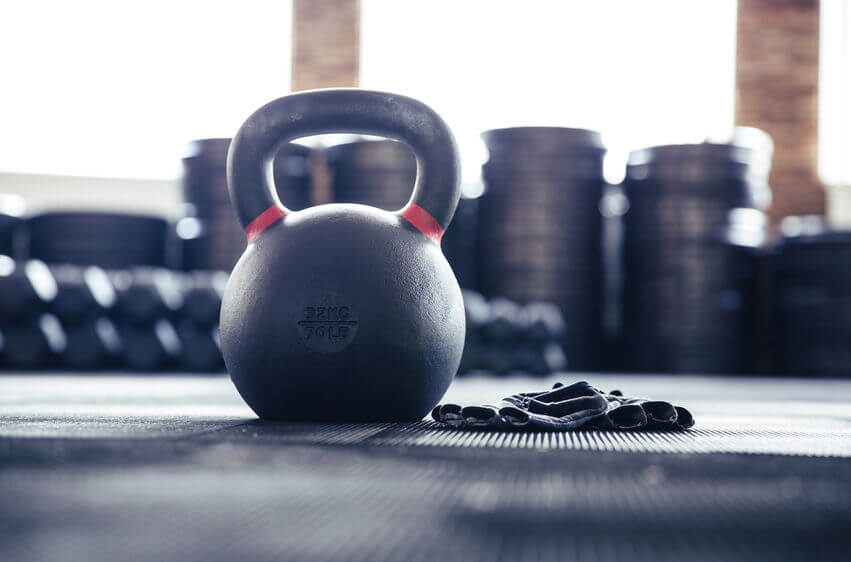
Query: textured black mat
{"type": "Point", "coordinates": [141, 469]}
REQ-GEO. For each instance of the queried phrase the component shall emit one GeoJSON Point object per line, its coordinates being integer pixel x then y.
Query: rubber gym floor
{"type": "Point", "coordinates": [106, 468]}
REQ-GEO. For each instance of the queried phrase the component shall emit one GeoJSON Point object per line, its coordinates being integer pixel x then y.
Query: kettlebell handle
{"type": "Point", "coordinates": [344, 110]}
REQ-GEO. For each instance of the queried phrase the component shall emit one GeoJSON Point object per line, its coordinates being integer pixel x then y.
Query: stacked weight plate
{"type": "Point", "coordinates": [377, 173]}
{"type": "Point", "coordinates": [539, 229]}
{"type": "Point", "coordinates": [692, 236]}
{"type": "Point", "coordinates": [382, 174]}
{"type": "Point", "coordinates": [459, 242]}
{"type": "Point", "coordinates": [812, 306]}
{"type": "Point", "coordinates": [216, 240]}
{"type": "Point", "coordinates": [110, 240]}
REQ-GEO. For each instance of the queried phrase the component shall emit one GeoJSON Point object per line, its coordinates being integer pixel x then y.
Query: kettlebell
{"type": "Point", "coordinates": [342, 312]}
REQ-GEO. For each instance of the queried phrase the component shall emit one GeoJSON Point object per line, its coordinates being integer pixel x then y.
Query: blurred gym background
{"type": "Point", "coordinates": [657, 187]}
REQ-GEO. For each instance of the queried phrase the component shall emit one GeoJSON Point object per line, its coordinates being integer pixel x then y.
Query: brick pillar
{"type": "Point", "coordinates": [326, 54]}
{"type": "Point", "coordinates": [777, 65]}
{"type": "Point", "coordinates": [326, 44]}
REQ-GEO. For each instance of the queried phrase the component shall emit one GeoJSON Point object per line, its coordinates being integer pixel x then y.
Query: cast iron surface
{"type": "Point", "coordinates": [342, 312]}
{"type": "Point", "coordinates": [156, 468]}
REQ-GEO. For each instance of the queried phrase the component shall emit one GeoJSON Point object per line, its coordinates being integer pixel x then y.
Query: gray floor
{"type": "Point", "coordinates": [177, 468]}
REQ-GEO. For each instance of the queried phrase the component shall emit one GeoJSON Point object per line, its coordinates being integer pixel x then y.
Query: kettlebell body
{"type": "Point", "coordinates": [343, 312]}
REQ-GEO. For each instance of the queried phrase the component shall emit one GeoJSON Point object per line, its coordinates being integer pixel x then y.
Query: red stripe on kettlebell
{"type": "Point", "coordinates": [423, 221]}
{"type": "Point", "coordinates": [263, 221]}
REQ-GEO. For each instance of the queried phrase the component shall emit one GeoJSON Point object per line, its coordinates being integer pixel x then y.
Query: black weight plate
{"type": "Point", "coordinates": [683, 335]}
{"type": "Point", "coordinates": [550, 221]}
{"type": "Point", "coordinates": [702, 152]}
{"type": "Point", "coordinates": [730, 321]}
{"type": "Point", "coordinates": [375, 179]}
{"type": "Point", "coordinates": [695, 172]}
{"type": "Point", "coordinates": [583, 295]}
{"type": "Point", "coordinates": [195, 254]}
{"type": "Point", "coordinates": [686, 254]}
{"type": "Point", "coordinates": [718, 194]}
{"type": "Point", "coordinates": [575, 243]}
{"type": "Point", "coordinates": [530, 165]}
{"type": "Point", "coordinates": [685, 207]}
{"type": "Point", "coordinates": [524, 292]}
{"type": "Point", "coordinates": [530, 262]}
{"type": "Point", "coordinates": [126, 240]}
{"type": "Point", "coordinates": [546, 204]}
{"type": "Point", "coordinates": [371, 154]}
{"type": "Point", "coordinates": [213, 151]}
{"type": "Point", "coordinates": [568, 177]}
{"type": "Point", "coordinates": [548, 273]}
{"type": "Point", "coordinates": [95, 226]}
{"type": "Point", "coordinates": [543, 137]}
{"type": "Point", "coordinates": [552, 273]}
{"type": "Point", "coordinates": [562, 211]}
{"type": "Point", "coordinates": [558, 234]}
{"type": "Point", "coordinates": [687, 289]}
{"type": "Point", "coordinates": [205, 180]}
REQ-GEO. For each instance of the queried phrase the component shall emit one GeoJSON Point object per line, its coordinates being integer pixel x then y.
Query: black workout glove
{"type": "Point", "coordinates": [639, 413]}
{"type": "Point", "coordinates": [566, 408]}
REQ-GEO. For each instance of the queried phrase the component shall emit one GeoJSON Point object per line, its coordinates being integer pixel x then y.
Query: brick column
{"type": "Point", "coordinates": [777, 65]}
{"type": "Point", "coordinates": [326, 44]}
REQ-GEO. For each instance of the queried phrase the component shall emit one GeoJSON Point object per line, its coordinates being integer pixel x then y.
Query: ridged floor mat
{"type": "Point", "coordinates": [798, 438]}
{"type": "Point", "coordinates": [257, 500]}
{"type": "Point", "coordinates": [157, 470]}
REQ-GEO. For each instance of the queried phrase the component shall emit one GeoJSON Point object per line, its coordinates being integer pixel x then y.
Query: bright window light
{"type": "Point", "coordinates": [835, 93]}
{"type": "Point", "coordinates": [116, 89]}
{"type": "Point", "coordinates": [648, 72]}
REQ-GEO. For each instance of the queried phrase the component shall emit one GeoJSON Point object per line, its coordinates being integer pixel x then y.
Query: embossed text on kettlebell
{"type": "Point", "coordinates": [327, 328]}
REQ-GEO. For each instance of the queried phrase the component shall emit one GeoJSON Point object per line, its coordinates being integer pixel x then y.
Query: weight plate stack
{"type": "Point", "coordinates": [459, 242]}
{"type": "Point", "coordinates": [812, 299]}
{"type": "Point", "coordinates": [540, 228]}
{"type": "Point", "coordinates": [381, 173]}
{"type": "Point", "coordinates": [215, 240]}
{"type": "Point", "coordinates": [692, 238]}
{"type": "Point", "coordinates": [108, 240]}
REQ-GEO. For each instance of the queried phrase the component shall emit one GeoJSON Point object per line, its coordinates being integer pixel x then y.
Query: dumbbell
{"type": "Point", "coordinates": [82, 292]}
{"type": "Point", "coordinates": [471, 359]}
{"type": "Point", "coordinates": [476, 310]}
{"type": "Point", "coordinates": [502, 324]}
{"type": "Point", "coordinates": [497, 358]}
{"type": "Point", "coordinates": [149, 347]}
{"type": "Point", "coordinates": [92, 344]}
{"type": "Point", "coordinates": [529, 358]}
{"type": "Point", "coordinates": [541, 322]}
{"type": "Point", "coordinates": [146, 294]}
{"type": "Point", "coordinates": [26, 288]}
{"type": "Point", "coordinates": [202, 297]}
{"type": "Point", "coordinates": [35, 344]}
{"type": "Point", "coordinates": [200, 351]}
{"type": "Point", "coordinates": [554, 356]}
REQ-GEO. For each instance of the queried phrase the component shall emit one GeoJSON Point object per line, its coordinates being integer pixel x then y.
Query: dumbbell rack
{"type": "Point", "coordinates": [87, 319]}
